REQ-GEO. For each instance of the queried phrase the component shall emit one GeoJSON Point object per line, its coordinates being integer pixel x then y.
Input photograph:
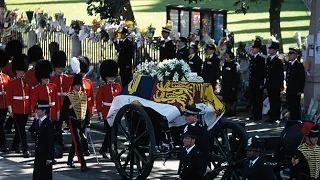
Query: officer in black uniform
{"type": "Point", "coordinates": [256, 80]}
{"type": "Point", "coordinates": [274, 82]}
{"type": "Point", "coordinates": [211, 66]}
{"type": "Point", "coordinates": [182, 49]}
{"type": "Point", "coordinates": [255, 167]}
{"type": "Point", "coordinates": [167, 49]}
{"type": "Point", "coordinates": [295, 84]}
{"type": "Point", "coordinates": [125, 58]}
{"type": "Point", "coordinates": [195, 62]}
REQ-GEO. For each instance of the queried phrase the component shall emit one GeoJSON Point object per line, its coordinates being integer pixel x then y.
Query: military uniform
{"type": "Point", "coordinates": [125, 59]}
{"type": "Point", "coordinates": [34, 55]}
{"type": "Point", "coordinates": [167, 47]}
{"type": "Point", "coordinates": [211, 68]}
{"type": "Point", "coordinates": [195, 62]}
{"type": "Point", "coordinates": [230, 80]}
{"type": "Point", "coordinates": [182, 53]}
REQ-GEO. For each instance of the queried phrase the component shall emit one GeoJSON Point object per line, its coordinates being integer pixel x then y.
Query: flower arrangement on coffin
{"type": "Point", "coordinates": [193, 77]}
{"type": "Point", "coordinates": [147, 68]}
{"type": "Point", "coordinates": [173, 70]}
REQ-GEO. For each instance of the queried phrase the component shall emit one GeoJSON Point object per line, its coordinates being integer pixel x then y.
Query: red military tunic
{"type": "Point", "coordinates": [63, 85]}
{"type": "Point", "coordinates": [49, 93]}
{"type": "Point", "coordinates": [4, 82]}
{"type": "Point", "coordinates": [104, 98]}
{"type": "Point", "coordinates": [8, 70]}
{"type": "Point", "coordinates": [18, 95]}
{"type": "Point", "coordinates": [32, 77]}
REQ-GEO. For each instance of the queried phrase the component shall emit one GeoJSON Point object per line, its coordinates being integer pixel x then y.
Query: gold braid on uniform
{"type": "Point", "coordinates": [312, 155]}
{"type": "Point", "coordinates": [78, 101]}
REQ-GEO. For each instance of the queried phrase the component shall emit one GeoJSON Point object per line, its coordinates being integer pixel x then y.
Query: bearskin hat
{"type": "Point", "coordinates": [59, 59]}
{"type": "Point", "coordinates": [310, 129]}
{"type": "Point", "coordinates": [84, 64]}
{"type": "Point", "coordinates": [13, 48]}
{"type": "Point", "coordinates": [20, 63]}
{"type": "Point", "coordinates": [35, 53]}
{"type": "Point", "coordinates": [108, 68]}
{"type": "Point", "coordinates": [3, 59]}
{"type": "Point", "coordinates": [77, 79]}
{"type": "Point", "coordinates": [43, 69]}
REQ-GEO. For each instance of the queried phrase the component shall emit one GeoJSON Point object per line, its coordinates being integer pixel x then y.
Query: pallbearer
{"type": "Point", "coordinates": [104, 97]}
{"type": "Point", "coordinates": [35, 53]}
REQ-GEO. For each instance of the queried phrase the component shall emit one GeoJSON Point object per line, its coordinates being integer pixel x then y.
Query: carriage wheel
{"type": "Point", "coordinates": [229, 140]}
{"type": "Point", "coordinates": [133, 142]}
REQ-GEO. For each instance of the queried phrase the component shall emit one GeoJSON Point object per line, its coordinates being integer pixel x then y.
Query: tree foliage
{"type": "Point", "coordinates": [109, 10]}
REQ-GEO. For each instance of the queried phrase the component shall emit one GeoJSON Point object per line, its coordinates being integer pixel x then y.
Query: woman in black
{"type": "Point", "coordinates": [230, 81]}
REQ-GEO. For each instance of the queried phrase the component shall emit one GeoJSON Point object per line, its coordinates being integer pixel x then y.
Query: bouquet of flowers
{"type": "Point", "coordinates": [147, 68]}
{"type": "Point", "coordinates": [173, 70]}
{"type": "Point", "coordinates": [76, 25]}
{"type": "Point", "coordinates": [23, 24]}
{"type": "Point", "coordinates": [96, 25]}
{"type": "Point", "coordinates": [41, 18]}
{"type": "Point", "coordinates": [150, 31]}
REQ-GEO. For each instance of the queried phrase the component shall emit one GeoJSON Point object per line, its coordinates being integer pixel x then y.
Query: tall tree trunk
{"type": "Point", "coordinates": [128, 13]}
{"type": "Point", "coordinates": [274, 13]}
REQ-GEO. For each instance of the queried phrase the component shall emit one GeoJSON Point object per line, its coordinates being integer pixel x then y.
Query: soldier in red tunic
{"type": "Point", "coordinates": [18, 100]}
{"type": "Point", "coordinates": [104, 97]}
{"type": "Point", "coordinates": [35, 53]}
{"type": "Point", "coordinates": [62, 83]}
{"type": "Point", "coordinates": [4, 82]}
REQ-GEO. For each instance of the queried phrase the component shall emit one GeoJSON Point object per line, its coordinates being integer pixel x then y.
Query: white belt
{"type": "Point", "coordinates": [3, 93]}
{"type": "Point", "coordinates": [52, 103]}
{"type": "Point", "coordinates": [62, 93]}
{"type": "Point", "coordinates": [20, 97]}
{"type": "Point", "coordinates": [89, 98]}
{"type": "Point", "coordinates": [106, 103]}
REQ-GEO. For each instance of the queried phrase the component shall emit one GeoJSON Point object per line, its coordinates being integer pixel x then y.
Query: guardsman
{"type": "Point", "coordinates": [274, 82]}
{"type": "Point", "coordinates": [306, 163]}
{"type": "Point", "coordinates": [35, 53]}
{"type": "Point", "coordinates": [18, 100]}
{"type": "Point", "coordinates": [195, 61]}
{"type": "Point", "coordinates": [182, 49]}
{"type": "Point", "coordinates": [190, 157]}
{"type": "Point", "coordinates": [167, 50]}
{"type": "Point", "coordinates": [43, 129]}
{"type": "Point", "coordinates": [211, 66]}
{"type": "Point", "coordinates": [76, 114]}
{"type": "Point", "coordinates": [4, 82]}
{"type": "Point", "coordinates": [256, 80]}
{"type": "Point", "coordinates": [125, 58]}
{"type": "Point", "coordinates": [295, 84]}
{"type": "Point", "coordinates": [104, 98]}
{"type": "Point", "coordinates": [62, 82]}
{"type": "Point", "coordinates": [256, 167]}
{"type": "Point", "coordinates": [230, 82]}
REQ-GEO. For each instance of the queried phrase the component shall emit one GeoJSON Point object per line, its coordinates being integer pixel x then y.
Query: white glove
{"type": "Point", "coordinates": [87, 130]}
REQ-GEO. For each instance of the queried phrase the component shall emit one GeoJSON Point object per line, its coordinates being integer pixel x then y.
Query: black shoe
{"type": "Point", "coordinates": [5, 149]}
{"type": "Point", "coordinates": [9, 131]}
{"type": "Point", "coordinates": [71, 164]}
{"type": "Point", "coordinates": [86, 153]}
{"type": "Point", "coordinates": [26, 154]}
{"type": "Point", "coordinates": [84, 169]}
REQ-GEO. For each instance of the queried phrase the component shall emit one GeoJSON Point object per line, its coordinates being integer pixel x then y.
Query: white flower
{"type": "Point", "coordinates": [175, 77]}
{"type": "Point", "coordinates": [167, 73]}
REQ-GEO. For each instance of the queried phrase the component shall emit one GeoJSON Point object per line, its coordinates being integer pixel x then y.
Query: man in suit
{"type": "Point", "coordinates": [42, 130]}
{"type": "Point", "coordinates": [295, 84]}
{"type": "Point", "coordinates": [167, 50]}
{"type": "Point", "coordinates": [255, 168]}
{"type": "Point", "coordinates": [274, 82]}
{"type": "Point", "coordinates": [125, 58]}
{"type": "Point", "coordinates": [195, 61]}
{"type": "Point", "coordinates": [182, 50]}
{"type": "Point", "coordinates": [256, 80]}
{"type": "Point", "coordinates": [211, 66]}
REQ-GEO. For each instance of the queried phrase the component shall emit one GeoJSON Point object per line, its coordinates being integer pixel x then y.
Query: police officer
{"type": "Point", "coordinates": [255, 167]}
{"type": "Point", "coordinates": [211, 66]}
{"type": "Point", "coordinates": [125, 58]}
{"type": "Point", "coordinates": [195, 61]}
{"type": "Point", "coordinates": [35, 53]}
{"type": "Point", "coordinates": [295, 84]}
{"type": "Point", "coordinates": [256, 80]}
{"type": "Point", "coordinates": [274, 82]}
{"type": "Point", "coordinates": [167, 49]}
{"type": "Point", "coordinates": [182, 49]}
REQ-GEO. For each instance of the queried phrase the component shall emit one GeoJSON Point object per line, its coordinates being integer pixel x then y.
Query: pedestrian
{"type": "Point", "coordinates": [4, 83]}
{"type": "Point", "coordinates": [182, 49]}
{"type": "Point", "coordinates": [35, 54]}
{"type": "Point", "coordinates": [256, 80]}
{"type": "Point", "coordinates": [167, 49]}
{"type": "Point", "coordinates": [76, 114]}
{"type": "Point", "coordinates": [295, 84]}
{"type": "Point", "coordinates": [274, 82]}
{"type": "Point", "coordinates": [229, 83]}
{"type": "Point", "coordinates": [211, 66]}
{"type": "Point", "coordinates": [194, 61]}
{"type": "Point", "coordinates": [104, 98]}
{"type": "Point", "coordinates": [125, 58]}
{"type": "Point", "coordinates": [44, 132]}
{"type": "Point", "coordinates": [18, 100]}
{"type": "Point", "coordinates": [255, 167]}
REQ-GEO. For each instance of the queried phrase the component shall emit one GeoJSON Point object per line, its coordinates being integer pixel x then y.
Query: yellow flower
{"type": "Point", "coordinates": [129, 24]}
{"type": "Point", "coordinates": [94, 21]}
{"type": "Point", "coordinates": [143, 30]}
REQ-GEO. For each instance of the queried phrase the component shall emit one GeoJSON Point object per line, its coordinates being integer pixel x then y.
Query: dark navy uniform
{"type": "Point", "coordinates": [167, 49]}
{"type": "Point", "coordinates": [230, 80]}
{"type": "Point", "coordinates": [125, 61]}
{"type": "Point", "coordinates": [211, 69]}
{"type": "Point", "coordinates": [195, 63]}
{"type": "Point", "coordinates": [182, 54]}
{"type": "Point", "coordinates": [258, 171]}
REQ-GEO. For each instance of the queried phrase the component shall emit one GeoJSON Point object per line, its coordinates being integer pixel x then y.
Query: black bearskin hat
{"type": "Point", "coordinates": [84, 64]}
{"type": "Point", "coordinates": [35, 53]}
{"type": "Point", "coordinates": [108, 68]}
{"type": "Point", "coordinates": [20, 63]}
{"type": "Point", "coordinates": [59, 59]}
{"type": "Point", "coordinates": [77, 79]}
{"type": "Point", "coordinates": [3, 59]}
{"type": "Point", "coordinates": [43, 69]}
{"type": "Point", "coordinates": [13, 48]}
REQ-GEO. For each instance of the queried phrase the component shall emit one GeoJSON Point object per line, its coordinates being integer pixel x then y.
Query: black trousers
{"type": "Point", "coordinates": [41, 171]}
{"type": "Point", "coordinates": [84, 140]}
{"type": "Point", "coordinates": [294, 106]}
{"type": "Point", "coordinates": [20, 122]}
{"type": "Point", "coordinates": [9, 123]}
{"type": "Point", "coordinates": [58, 132]}
{"type": "Point", "coordinates": [76, 147]}
{"type": "Point", "coordinates": [3, 115]}
{"type": "Point", "coordinates": [106, 145]}
{"type": "Point", "coordinates": [257, 102]}
{"type": "Point", "coordinates": [126, 76]}
{"type": "Point", "coordinates": [275, 103]}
